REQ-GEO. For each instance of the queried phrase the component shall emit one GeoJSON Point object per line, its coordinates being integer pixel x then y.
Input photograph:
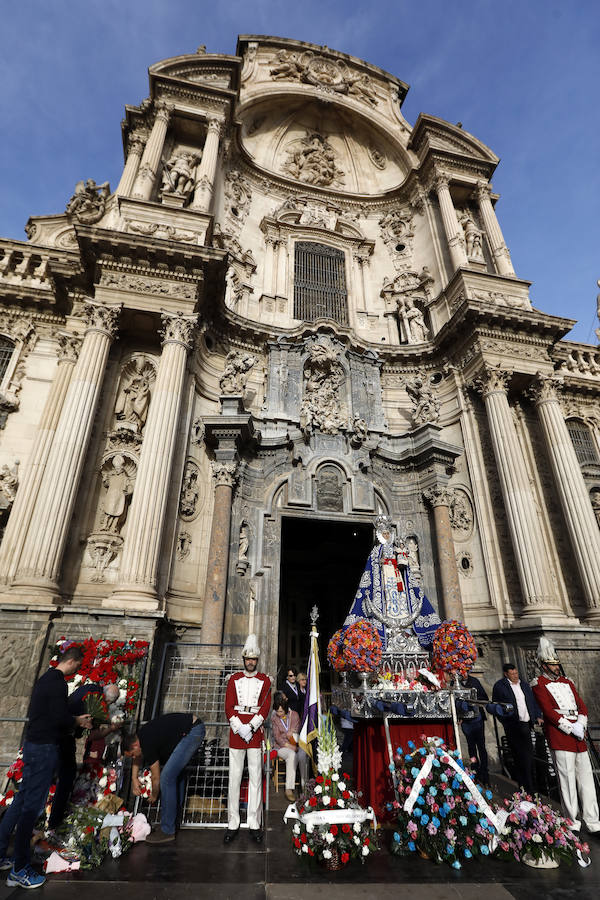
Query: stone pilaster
{"type": "Point", "coordinates": [439, 499]}
{"type": "Point", "coordinates": [213, 616]}
{"type": "Point", "coordinates": [135, 148]}
{"type": "Point", "coordinates": [500, 251]}
{"type": "Point", "coordinates": [518, 498]}
{"type": "Point", "coordinates": [574, 498]}
{"type": "Point", "coordinates": [30, 482]}
{"type": "Point", "coordinates": [205, 175]}
{"type": "Point", "coordinates": [450, 220]}
{"type": "Point", "coordinates": [146, 176]}
{"type": "Point", "coordinates": [39, 566]}
{"type": "Point", "coordinates": [139, 564]}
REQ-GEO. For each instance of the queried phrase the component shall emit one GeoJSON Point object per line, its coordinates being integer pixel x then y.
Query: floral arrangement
{"type": "Point", "coordinates": [397, 681]}
{"type": "Point", "coordinates": [343, 830]}
{"type": "Point", "coordinates": [145, 780]}
{"type": "Point", "coordinates": [453, 649]}
{"type": "Point", "coordinates": [361, 646]}
{"type": "Point", "coordinates": [14, 773]}
{"type": "Point", "coordinates": [335, 657]}
{"type": "Point", "coordinates": [534, 831]}
{"type": "Point", "coordinates": [441, 813]}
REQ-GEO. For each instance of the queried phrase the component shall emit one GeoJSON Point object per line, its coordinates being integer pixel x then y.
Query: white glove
{"type": "Point", "coordinates": [245, 732]}
{"type": "Point", "coordinates": [577, 731]}
{"type": "Point", "coordinates": [565, 725]}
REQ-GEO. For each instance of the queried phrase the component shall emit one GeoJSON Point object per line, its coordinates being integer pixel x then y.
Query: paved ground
{"type": "Point", "coordinates": [198, 865]}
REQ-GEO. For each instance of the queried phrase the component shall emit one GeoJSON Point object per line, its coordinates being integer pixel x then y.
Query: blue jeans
{"type": "Point", "coordinates": [172, 781]}
{"type": "Point", "coordinates": [40, 761]}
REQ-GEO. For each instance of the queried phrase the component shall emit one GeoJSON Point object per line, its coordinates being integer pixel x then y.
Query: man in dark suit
{"type": "Point", "coordinates": [518, 724]}
{"type": "Point", "coordinates": [473, 729]}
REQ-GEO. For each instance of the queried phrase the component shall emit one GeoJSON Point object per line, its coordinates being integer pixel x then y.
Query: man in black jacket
{"type": "Point", "coordinates": [49, 719]}
{"type": "Point", "coordinates": [518, 723]}
{"type": "Point", "coordinates": [473, 729]}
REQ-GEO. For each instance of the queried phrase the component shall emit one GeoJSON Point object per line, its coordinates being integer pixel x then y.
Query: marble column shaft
{"type": "Point", "coordinates": [145, 522]}
{"type": "Point", "coordinates": [518, 498]}
{"type": "Point", "coordinates": [439, 499]}
{"type": "Point", "coordinates": [213, 614]}
{"type": "Point", "coordinates": [44, 546]}
{"type": "Point", "coordinates": [132, 164]}
{"type": "Point", "coordinates": [205, 174]}
{"type": "Point", "coordinates": [29, 486]}
{"type": "Point", "coordinates": [499, 249]}
{"type": "Point", "coordinates": [146, 176]}
{"type": "Point", "coordinates": [450, 220]}
{"type": "Point", "coordinates": [574, 498]}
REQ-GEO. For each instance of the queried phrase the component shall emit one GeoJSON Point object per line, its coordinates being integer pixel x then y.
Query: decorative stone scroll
{"type": "Point", "coordinates": [333, 76]}
{"type": "Point", "coordinates": [88, 203]}
{"type": "Point", "coordinates": [397, 232]}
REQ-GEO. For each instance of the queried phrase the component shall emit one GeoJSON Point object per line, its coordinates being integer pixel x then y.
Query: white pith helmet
{"type": "Point", "coordinates": [251, 649]}
{"type": "Point", "coordinates": [546, 652]}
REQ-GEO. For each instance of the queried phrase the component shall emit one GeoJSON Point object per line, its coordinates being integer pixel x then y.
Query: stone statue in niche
{"type": "Point", "coordinates": [184, 545]}
{"type": "Point", "coordinates": [198, 431]}
{"type": "Point", "coordinates": [118, 483]}
{"type": "Point", "coordinates": [323, 408]}
{"type": "Point", "coordinates": [244, 543]}
{"type": "Point", "coordinates": [426, 406]}
{"type": "Point", "coordinates": [360, 432]}
{"type": "Point", "coordinates": [412, 547]}
{"type": "Point", "coordinates": [413, 320]}
{"type": "Point", "coordinates": [473, 242]}
{"type": "Point", "coordinates": [235, 375]}
{"type": "Point", "coordinates": [190, 491]}
{"type": "Point", "coordinates": [9, 482]}
{"type": "Point", "coordinates": [179, 174]}
{"type": "Point", "coordinates": [133, 400]}
{"type": "Point", "coordinates": [88, 203]}
{"type": "Point", "coordinates": [330, 491]}
{"type": "Point", "coordinates": [312, 160]}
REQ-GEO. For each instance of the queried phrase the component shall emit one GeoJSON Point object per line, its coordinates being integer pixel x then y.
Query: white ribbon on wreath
{"type": "Point", "coordinates": [330, 816]}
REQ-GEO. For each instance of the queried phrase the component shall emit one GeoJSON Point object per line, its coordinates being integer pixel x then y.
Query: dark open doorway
{"type": "Point", "coordinates": [321, 563]}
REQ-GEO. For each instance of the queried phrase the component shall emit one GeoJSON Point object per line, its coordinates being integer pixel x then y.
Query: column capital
{"type": "Point", "coordinates": [491, 380]}
{"type": "Point", "coordinates": [438, 496]}
{"type": "Point", "coordinates": [178, 328]}
{"type": "Point", "coordinates": [224, 473]}
{"type": "Point", "coordinates": [213, 124]}
{"type": "Point", "coordinates": [483, 188]}
{"type": "Point", "coordinates": [98, 317]}
{"type": "Point", "coordinates": [441, 179]}
{"type": "Point", "coordinates": [544, 388]}
{"type": "Point", "coordinates": [68, 347]}
{"type": "Point", "coordinates": [163, 109]}
{"type": "Point", "coordinates": [136, 143]}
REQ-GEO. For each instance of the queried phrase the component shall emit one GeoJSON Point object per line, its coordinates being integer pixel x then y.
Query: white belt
{"type": "Point", "coordinates": [247, 709]}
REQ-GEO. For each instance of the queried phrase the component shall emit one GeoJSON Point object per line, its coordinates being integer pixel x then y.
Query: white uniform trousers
{"type": "Point", "coordinates": [236, 767]}
{"type": "Point", "coordinates": [574, 772]}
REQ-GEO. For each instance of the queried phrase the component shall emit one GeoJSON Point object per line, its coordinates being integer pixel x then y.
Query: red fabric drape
{"type": "Point", "coordinates": [371, 760]}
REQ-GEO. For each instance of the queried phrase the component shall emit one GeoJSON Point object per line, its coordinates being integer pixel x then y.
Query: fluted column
{"type": "Point", "coordinates": [205, 175]}
{"type": "Point", "coordinates": [500, 251]}
{"type": "Point", "coordinates": [141, 553]}
{"type": "Point", "coordinates": [518, 498]}
{"type": "Point", "coordinates": [450, 220]}
{"type": "Point", "coordinates": [439, 499]}
{"type": "Point", "coordinates": [213, 614]}
{"type": "Point", "coordinates": [135, 148]}
{"type": "Point", "coordinates": [148, 169]}
{"type": "Point", "coordinates": [574, 498]}
{"type": "Point", "coordinates": [30, 482]}
{"type": "Point", "coordinates": [39, 566]}
{"type": "Point", "coordinates": [281, 276]}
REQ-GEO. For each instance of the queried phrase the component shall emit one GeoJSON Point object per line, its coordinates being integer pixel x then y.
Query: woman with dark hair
{"type": "Point", "coordinates": [285, 724]}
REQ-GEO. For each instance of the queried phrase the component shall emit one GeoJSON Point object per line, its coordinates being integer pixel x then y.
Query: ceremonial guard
{"type": "Point", "coordinates": [565, 722]}
{"type": "Point", "coordinates": [247, 704]}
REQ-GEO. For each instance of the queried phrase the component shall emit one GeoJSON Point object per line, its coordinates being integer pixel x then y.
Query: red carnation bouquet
{"type": "Point", "coordinates": [454, 649]}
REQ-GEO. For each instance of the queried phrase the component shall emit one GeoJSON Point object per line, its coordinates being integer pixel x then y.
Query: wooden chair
{"type": "Point", "coordinates": [279, 774]}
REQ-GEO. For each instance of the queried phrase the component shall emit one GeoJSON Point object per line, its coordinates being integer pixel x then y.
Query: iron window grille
{"type": "Point", "coordinates": [7, 348]}
{"type": "Point", "coordinates": [319, 283]}
{"type": "Point", "coordinates": [583, 442]}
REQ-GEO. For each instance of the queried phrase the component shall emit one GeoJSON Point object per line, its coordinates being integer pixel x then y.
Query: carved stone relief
{"type": "Point", "coordinates": [235, 375]}
{"type": "Point", "coordinates": [461, 515]}
{"type": "Point", "coordinates": [184, 545]}
{"type": "Point", "coordinates": [472, 236]}
{"type": "Point", "coordinates": [179, 176]}
{"type": "Point", "coordinates": [144, 284]}
{"type": "Point", "coordinates": [190, 492]}
{"type": "Point", "coordinates": [135, 391]}
{"type": "Point", "coordinates": [330, 489]}
{"type": "Point", "coordinates": [359, 433]}
{"type": "Point", "coordinates": [238, 195]}
{"type": "Point", "coordinates": [161, 230]}
{"type": "Point", "coordinates": [377, 157]}
{"type": "Point", "coordinates": [243, 545]}
{"type": "Point", "coordinates": [595, 501]}
{"type": "Point", "coordinates": [312, 159]}
{"type": "Point", "coordinates": [323, 405]}
{"type": "Point", "coordinates": [9, 482]}
{"type": "Point", "coordinates": [197, 431]}
{"type": "Point", "coordinates": [20, 330]}
{"type": "Point", "coordinates": [397, 232]}
{"type": "Point", "coordinates": [426, 406]}
{"type": "Point", "coordinates": [332, 76]}
{"type": "Point", "coordinates": [88, 203]}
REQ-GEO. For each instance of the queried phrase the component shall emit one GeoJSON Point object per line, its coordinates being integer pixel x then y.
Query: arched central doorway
{"type": "Point", "coordinates": [321, 563]}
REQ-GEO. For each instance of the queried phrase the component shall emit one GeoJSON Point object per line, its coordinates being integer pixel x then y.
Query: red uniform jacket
{"type": "Point", "coordinates": [560, 702]}
{"type": "Point", "coordinates": [247, 701]}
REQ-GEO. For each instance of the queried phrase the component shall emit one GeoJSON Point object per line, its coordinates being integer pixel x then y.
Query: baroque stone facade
{"type": "Point", "coordinates": [294, 304]}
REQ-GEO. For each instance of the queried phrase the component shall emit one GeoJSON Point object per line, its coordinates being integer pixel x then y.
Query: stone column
{"type": "Point", "coordinates": [29, 486]}
{"type": "Point", "coordinates": [574, 498]}
{"type": "Point", "coordinates": [439, 499]}
{"type": "Point", "coordinates": [146, 176]}
{"type": "Point", "coordinates": [450, 220]}
{"type": "Point", "coordinates": [205, 174]}
{"type": "Point", "coordinates": [135, 147]}
{"type": "Point", "coordinates": [281, 276]}
{"type": "Point", "coordinates": [500, 251]}
{"type": "Point", "coordinates": [39, 566]}
{"type": "Point", "coordinates": [141, 553]}
{"type": "Point", "coordinates": [516, 491]}
{"type": "Point", "coordinates": [213, 615]}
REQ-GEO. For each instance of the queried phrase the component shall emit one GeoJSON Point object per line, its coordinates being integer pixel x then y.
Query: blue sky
{"type": "Point", "coordinates": [521, 75]}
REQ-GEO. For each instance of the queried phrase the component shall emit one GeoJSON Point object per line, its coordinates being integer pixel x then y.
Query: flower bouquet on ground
{"type": "Point", "coordinates": [537, 835]}
{"type": "Point", "coordinates": [14, 773]}
{"type": "Point", "coordinates": [441, 813]}
{"type": "Point", "coordinates": [329, 824]}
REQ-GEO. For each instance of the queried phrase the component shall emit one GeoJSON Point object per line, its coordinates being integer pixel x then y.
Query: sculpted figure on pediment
{"type": "Point", "coordinates": [235, 375]}
{"type": "Point", "coordinates": [320, 71]}
{"type": "Point", "coordinates": [179, 173]}
{"type": "Point", "coordinates": [88, 202]}
{"type": "Point", "coordinates": [312, 160]}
